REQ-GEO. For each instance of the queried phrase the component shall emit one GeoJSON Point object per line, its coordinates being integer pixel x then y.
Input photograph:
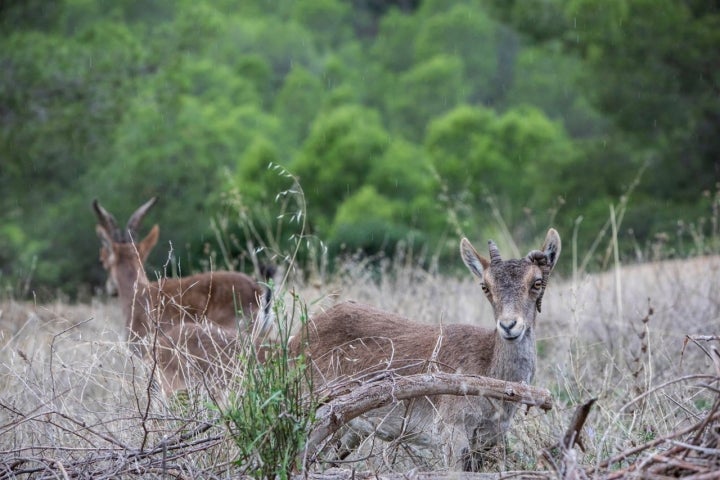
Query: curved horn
{"type": "Point", "coordinates": [106, 220]}
{"type": "Point", "coordinates": [137, 216]}
{"type": "Point", "coordinates": [540, 259]}
{"type": "Point", "coordinates": [494, 252]}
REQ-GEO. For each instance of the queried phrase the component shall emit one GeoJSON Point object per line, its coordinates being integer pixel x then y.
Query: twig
{"type": "Point", "coordinates": [52, 352]}
{"type": "Point", "coordinates": [651, 444]}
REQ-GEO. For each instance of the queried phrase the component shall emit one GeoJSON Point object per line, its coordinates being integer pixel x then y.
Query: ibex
{"type": "Point", "coordinates": [351, 339]}
{"type": "Point", "coordinates": [203, 313]}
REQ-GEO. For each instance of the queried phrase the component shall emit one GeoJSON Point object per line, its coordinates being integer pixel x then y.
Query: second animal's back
{"type": "Point", "coordinates": [224, 298]}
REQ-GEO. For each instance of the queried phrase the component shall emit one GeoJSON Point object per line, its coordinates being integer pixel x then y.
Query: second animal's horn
{"type": "Point", "coordinates": [137, 216]}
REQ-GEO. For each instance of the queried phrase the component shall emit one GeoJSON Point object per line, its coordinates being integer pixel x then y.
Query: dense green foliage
{"type": "Point", "coordinates": [270, 417]}
{"type": "Point", "coordinates": [403, 121]}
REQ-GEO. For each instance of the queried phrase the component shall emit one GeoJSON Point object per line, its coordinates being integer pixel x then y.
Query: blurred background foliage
{"type": "Point", "coordinates": [404, 120]}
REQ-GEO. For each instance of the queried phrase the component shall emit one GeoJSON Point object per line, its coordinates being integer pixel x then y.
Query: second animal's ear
{"type": "Point", "coordinates": [148, 243]}
{"type": "Point", "coordinates": [104, 236]}
{"type": "Point", "coordinates": [475, 262]}
{"type": "Point", "coordinates": [107, 250]}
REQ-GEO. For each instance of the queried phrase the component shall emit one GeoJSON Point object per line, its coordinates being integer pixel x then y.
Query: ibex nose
{"type": "Point", "coordinates": [508, 328]}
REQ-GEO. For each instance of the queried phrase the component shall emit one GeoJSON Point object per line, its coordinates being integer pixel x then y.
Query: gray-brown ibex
{"type": "Point", "coordinates": [189, 320]}
{"type": "Point", "coordinates": [351, 339]}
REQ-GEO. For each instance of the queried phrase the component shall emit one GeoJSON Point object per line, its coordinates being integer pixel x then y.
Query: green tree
{"type": "Point", "coordinates": [428, 90]}
{"type": "Point", "coordinates": [548, 79]}
{"type": "Point", "coordinates": [329, 20]}
{"type": "Point", "coordinates": [515, 158]}
{"type": "Point", "coordinates": [354, 230]}
{"type": "Point", "coordinates": [253, 176]}
{"type": "Point", "coordinates": [179, 150]}
{"type": "Point", "coordinates": [404, 175]}
{"type": "Point", "coordinates": [298, 102]}
{"type": "Point", "coordinates": [340, 151]}
{"type": "Point", "coordinates": [256, 70]}
{"type": "Point", "coordinates": [651, 68]}
{"type": "Point", "coordinates": [393, 47]}
{"type": "Point", "coordinates": [283, 44]}
{"type": "Point", "coordinates": [469, 34]}
{"type": "Point", "coordinates": [62, 98]}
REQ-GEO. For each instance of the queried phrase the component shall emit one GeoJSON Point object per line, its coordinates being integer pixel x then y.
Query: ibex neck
{"type": "Point", "coordinates": [514, 361]}
{"type": "Point", "coordinates": [134, 294]}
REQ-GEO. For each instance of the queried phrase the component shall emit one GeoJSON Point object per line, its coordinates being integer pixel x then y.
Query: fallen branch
{"type": "Point", "coordinates": [339, 410]}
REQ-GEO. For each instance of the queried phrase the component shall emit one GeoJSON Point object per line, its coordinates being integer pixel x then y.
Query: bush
{"type": "Point", "coordinates": [269, 418]}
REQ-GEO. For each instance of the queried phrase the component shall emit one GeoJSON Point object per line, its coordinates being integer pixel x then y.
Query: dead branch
{"type": "Point", "coordinates": [556, 456]}
{"type": "Point", "coordinates": [339, 410]}
{"type": "Point", "coordinates": [572, 435]}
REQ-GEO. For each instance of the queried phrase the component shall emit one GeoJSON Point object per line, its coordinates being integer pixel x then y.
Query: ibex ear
{"type": "Point", "coordinates": [104, 236]}
{"type": "Point", "coordinates": [551, 248]}
{"type": "Point", "coordinates": [475, 262]}
{"type": "Point", "coordinates": [147, 243]}
{"type": "Point", "coordinates": [107, 251]}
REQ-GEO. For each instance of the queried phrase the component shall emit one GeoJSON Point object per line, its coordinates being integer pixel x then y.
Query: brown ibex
{"type": "Point", "coordinates": [351, 339]}
{"type": "Point", "coordinates": [203, 313]}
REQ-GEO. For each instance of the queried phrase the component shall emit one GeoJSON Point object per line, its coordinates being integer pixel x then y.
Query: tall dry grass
{"type": "Point", "coordinates": [74, 398]}
{"type": "Point", "coordinates": [630, 352]}
{"type": "Point", "coordinates": [641, 339]}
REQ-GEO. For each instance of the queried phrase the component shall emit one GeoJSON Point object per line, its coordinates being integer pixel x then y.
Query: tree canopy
{"type": "Point", "coordinates": [402, 120]}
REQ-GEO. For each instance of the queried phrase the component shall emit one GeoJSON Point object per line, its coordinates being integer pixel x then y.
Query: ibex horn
{"type": "Point", "coordinates": [106, 220]}
{"type": "Point", "coordinates": [494, 252]}
{"type": "Point", "coordinates": [137, 216]}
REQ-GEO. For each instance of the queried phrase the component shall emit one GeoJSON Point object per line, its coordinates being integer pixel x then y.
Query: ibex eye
{"type": "Point", "coordinates": [538, 284]}
{"type": "Point", "coordinates": [485, 289]}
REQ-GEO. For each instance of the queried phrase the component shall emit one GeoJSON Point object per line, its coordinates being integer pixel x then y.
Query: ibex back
{"type": "Point", "coordinates": [351, 339]}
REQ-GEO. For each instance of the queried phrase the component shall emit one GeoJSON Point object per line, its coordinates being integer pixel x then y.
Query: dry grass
{"type": "Point", "coordinates": [75, 399]}
{"type": "Point", "coordinates": [591, 345]}
{"type": "Point", "coordinates": [73, 395]}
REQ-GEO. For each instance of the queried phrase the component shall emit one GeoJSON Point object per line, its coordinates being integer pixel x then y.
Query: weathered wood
{"type": "Point", "coordinates": [339, 410]}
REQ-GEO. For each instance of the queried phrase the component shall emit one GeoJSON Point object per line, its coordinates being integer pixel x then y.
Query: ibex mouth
{"type": "Point", "coordinates": [512, 337]}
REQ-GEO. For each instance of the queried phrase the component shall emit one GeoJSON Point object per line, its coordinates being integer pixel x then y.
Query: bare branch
{"type": "Point", "coordinates": [340, 410]}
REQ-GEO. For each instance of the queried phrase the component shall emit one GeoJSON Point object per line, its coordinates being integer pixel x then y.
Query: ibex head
{"type": "Point", "coordinates": [117, 242]}
{"type": "Point", "coordinates": [514, 287]}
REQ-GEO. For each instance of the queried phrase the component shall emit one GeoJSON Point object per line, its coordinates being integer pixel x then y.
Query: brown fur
{"type": "Point", "coordinates": [398, 344]}
{"type": "Point", "coordinates": [357, 340]}
{"type": "Point", "coordinates": [201, 313]}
